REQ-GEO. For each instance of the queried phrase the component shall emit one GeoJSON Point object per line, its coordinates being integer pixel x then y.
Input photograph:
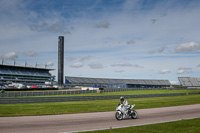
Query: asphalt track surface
{"type": "Point", "coordinates": [94, 121]}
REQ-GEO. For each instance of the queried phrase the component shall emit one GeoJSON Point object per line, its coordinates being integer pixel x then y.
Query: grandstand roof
{"type": "Point", "coordinates": [23, 67]}
{"type": "Point", "coordinates": [190, 81]}
{"type": "Point", "coordinates": [85, 80]}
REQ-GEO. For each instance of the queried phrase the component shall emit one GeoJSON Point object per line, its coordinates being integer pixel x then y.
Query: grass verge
{"type": "Point", "coordinates": [182, 126]}
{"type": "Point", "coordinates": [92, 106]}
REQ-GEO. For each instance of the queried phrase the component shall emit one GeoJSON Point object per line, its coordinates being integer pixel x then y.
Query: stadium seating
{"type": "Point", "coordinates": [20, 74]}
{"type": "Point", "coordinates": [190, 81]}
{"type": "Point", "coordinates": [119, 82]}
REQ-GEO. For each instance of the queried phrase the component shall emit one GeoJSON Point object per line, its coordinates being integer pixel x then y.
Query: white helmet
{"type": "Point", "coordinates": [121, 98]}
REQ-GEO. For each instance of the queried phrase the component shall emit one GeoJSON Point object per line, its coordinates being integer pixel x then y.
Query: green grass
{"type": "Point", "coordinates": [135, 92]}
{"type": "Point", "coordinates": [182, 126]}
{"type": "Point", "coordinates": [92, 106]}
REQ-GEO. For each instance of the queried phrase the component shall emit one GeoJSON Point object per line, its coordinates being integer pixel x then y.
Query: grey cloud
{"type": "Point", "coordinates": [163, 14]}
{"type": "Point", "coordinates": [81, 59]}
{"type": "Point", "coordinates": [71, 58]}
{"type": "Point", "coordinates": [188, 47]}
{"type": "Point", "coordinates": [152, 52]}
{"type": "Point", "coordinates": [119, 71]}
{"type": "Point", "coordinates": [76, 65]}
{"type": "Point", "coordinates": [154, 21]}
{"type": "Point", "coordinates": [57, 27]}
{"type": "Point", "coordinates": [95, 65]}
{"type": "Point", "coordinates": [89, 57]}
{"type": "Point", "coordinates": [159, 50]}
{"type": "Point", "coordinates": [103, 24]}
{"type": "Point", "coordinates": [130, 42]}
{"type": "Point", "coordinates": [123, 64]}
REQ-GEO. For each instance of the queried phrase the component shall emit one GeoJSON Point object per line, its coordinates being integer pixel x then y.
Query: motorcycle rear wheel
{"type": "Point", "coordinates": [134, 115]}
{"type": "Point", "coordinates": [118, 116]}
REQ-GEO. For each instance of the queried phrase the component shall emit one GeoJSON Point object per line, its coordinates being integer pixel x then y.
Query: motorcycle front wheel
{"type": "Point", "coordinates": [118, 116]}
{"type": "Point", "coordinates": [134, 115]}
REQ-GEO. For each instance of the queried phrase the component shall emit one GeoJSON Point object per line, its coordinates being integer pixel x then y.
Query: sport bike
{"type": "Point", "coordinates": [123, 113]}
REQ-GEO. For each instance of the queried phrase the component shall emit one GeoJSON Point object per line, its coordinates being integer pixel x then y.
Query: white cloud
{"type": "Point", "coordinates": [174, 82]}
{"type": "Point", "coordinates": [77, 65]}
{"type": "Point", "coordinates": [188, 47]}
{"type": "Point", "coordinates": [50, 63]}
{"type": "Point", "coordinates": [183, 70]}
{"type": "Point", "coordinates": [95, 65]}
{"type": "Point", "coordinates": [164, 71]}
{"type": "Point", "coordinates": [11, 56]}
{"type": "Point", "coordinates": [30, 53]}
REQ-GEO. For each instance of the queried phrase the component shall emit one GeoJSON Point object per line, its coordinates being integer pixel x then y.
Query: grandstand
{"type": "Point", "coordinates": [189, 81]}
{"type": "Point", "coordinates": [116, 83]}
{"type": "Point", "coordinates": [20, 74]}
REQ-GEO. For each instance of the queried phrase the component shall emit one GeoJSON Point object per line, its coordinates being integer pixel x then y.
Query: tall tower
{"type": "Point", "coordinates": [60, 60]}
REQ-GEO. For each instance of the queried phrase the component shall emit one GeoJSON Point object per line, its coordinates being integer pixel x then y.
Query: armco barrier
{"type": "Point", "coordinates": [23, 100]}
{"type": "Point", "coordinates": [45, 93]}
{"type": "Point", "coordinates": [190, 93]}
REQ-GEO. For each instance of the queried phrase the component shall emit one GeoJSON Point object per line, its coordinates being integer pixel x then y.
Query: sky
{"type": "Point", "coordinates": [127, 39]}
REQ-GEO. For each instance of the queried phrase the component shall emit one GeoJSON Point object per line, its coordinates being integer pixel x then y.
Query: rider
{"type": "Point", "coordinates": [125, 103]}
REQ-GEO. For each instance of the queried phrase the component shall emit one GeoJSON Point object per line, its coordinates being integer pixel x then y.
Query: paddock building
{"type": "Point", "coordinates": [116, 83]}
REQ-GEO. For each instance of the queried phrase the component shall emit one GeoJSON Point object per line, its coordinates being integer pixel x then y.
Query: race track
{"type": "Point", "coordinates": [94, 121]}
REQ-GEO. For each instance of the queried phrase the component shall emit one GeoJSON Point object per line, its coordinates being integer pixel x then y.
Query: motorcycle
{"type": "Point", "coordinates": [123, 113]}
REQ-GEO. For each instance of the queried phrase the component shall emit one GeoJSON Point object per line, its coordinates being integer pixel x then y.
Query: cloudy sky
{"type": "Point", "coordinates": [130, 39]}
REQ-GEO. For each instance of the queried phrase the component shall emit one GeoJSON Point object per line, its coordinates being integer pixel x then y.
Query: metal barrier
{"type": "Point", "coordinates": [45, 93]}
{"type": "Point", "coordinates": [24, 100]}
{"type": "Point", "coordinates": [72, 92]}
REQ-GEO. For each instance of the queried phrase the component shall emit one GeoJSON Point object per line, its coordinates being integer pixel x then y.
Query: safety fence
{"type": "Point", "coordinates": [45, 93]}
{"type": "Point", "coordinates": [74, 91]}
{"type": "Point", "coordinates": [24, 100]}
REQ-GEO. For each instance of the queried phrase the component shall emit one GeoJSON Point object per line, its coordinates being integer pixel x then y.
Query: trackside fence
{"type": "Point", "coordinates": [24, 100]}
{"type": "Point", "coordinates": [73, 91]}
{"type": "Point", "coordinates": [45, 93]}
